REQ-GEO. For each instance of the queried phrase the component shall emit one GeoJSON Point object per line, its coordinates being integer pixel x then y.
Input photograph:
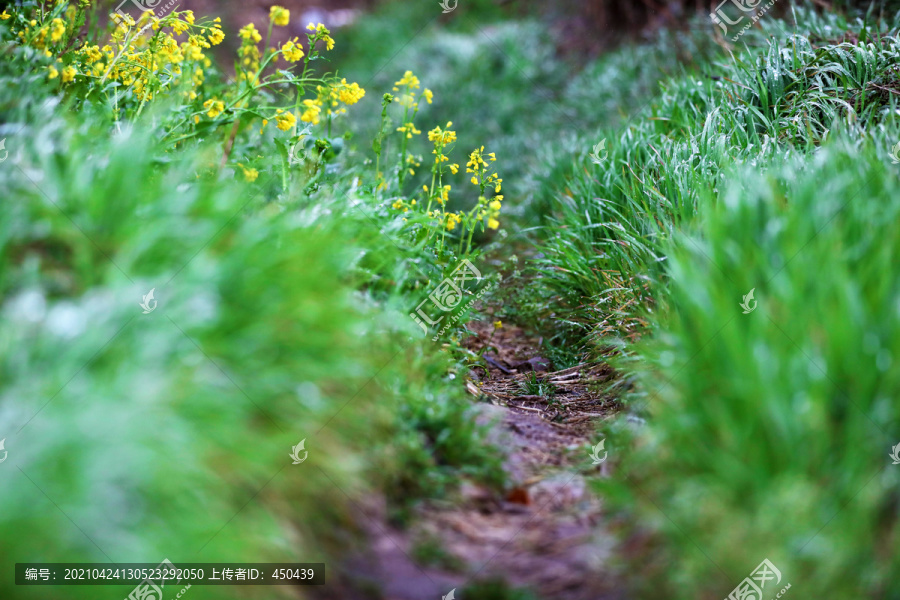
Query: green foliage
{"type": "Point", "coordinates": [282, 316]}
{"type": "Point", "coordinates": [767, 434]}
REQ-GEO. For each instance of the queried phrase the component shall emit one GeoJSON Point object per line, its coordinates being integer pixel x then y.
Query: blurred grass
{"type": "Point", "coordinates": [167, 435]}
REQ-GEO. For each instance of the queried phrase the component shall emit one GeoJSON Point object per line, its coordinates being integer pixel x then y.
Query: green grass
{"type": "Point", "coordinates": [284, 302]}
{"type": "Point", "coordinates": [282, 316]}
{"type": "Point", "coordinates": [768, 433]}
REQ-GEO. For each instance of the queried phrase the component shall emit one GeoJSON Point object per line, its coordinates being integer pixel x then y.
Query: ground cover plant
{"type": "Point", "coordinates": [773, 178]}
{"type": "Point", "coordinates": [143, 177]}
{"type": "Point", "coordinates": [215, 278]}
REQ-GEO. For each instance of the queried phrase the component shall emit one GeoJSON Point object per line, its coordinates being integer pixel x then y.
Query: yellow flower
{"type": "Point", "coordinates": [214, 107]}
{"type": "Point", "coordinates": [69, 74]}
{"type": "Point", "coordinates": [409, 129]}
{"type": "Point", "coordinates": [320, 32]}
{"type": "Point", "coordinates": [442, 136]}
{"type": "Point", "coordinates": [409, 80]}
{"type": "Point", "coordinates": [498, 324]}
{"type": "Point", "coordinates": [292, 50]}
{"type": "Point", "coordinates": [397, 205]}
{"type": "Point", "coordinates": [57, 30]}
{"type": "Point", "coordinates": [285, 120]}
{"type": "Point", "coordinates": [53, 73]}
{"type": "Point", "coordinates": [493, 223]}
{"type": "Point", "coordinates": [249, 32]}
{"type": "Point", "coordinates": [452, 220]}
{"type": "Point", "coordinates": [350, 93]}
{"type": "Point", "coordinates": [250, 174]}
{"type": "Point", "coordinates": [454, 168]}
{"type": "Point", "coordinates": [495, 204]}
{"type": "Point", "coordinates": [279, 15]}
{"type": "Point", "coordinates": [428, 95]}
{"type": "Point", "coordinates": [5, 15]}
{"type": "Point", "coordinates": [311, 110]}
{"type": "Point", "coordinates": [216, 36]}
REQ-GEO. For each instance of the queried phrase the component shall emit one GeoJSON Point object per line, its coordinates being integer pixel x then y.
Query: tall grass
{"type": "Point", "coordinates": [282, 316]}
{"type": "Point", "coordinates": [767, 433]}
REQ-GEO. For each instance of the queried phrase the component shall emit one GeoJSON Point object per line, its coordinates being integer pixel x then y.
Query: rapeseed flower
{"type": "Point", "coordinates": [285, 120]}
{"type": "Point", "coordinates": [214, 107]}
{"type": "Point", "coordinates": [57, 30]}
{"type": "Point", "coordinates": [249, 32]}
{"type": "Point", "coordinates": [452, 220]}
{"type": "Point", "coordinates": [349, 93]}
{"type": "Point", "coordinates": [216, 35]}
{"type": "Point", "coordinates": [292, 50]}
{"type": "Point", "coordinates": [279, 15]}
{"type": "Point", "coordinates": [311, 111]}
{"type": "Point", "coordinates": [250, 174]}
{"type": "Point", "coordinates": [320, 32]}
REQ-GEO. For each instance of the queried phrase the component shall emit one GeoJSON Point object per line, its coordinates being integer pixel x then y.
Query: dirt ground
{"type": "Point", "coordinates": [546, 532]}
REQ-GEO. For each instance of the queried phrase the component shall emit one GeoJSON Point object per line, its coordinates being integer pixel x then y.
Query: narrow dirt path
{"type": "Point", "coordinates": [546, 533]}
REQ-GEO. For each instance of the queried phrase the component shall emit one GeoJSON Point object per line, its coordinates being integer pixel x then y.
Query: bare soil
{"type": "Point", "coordinates": [546, 532]}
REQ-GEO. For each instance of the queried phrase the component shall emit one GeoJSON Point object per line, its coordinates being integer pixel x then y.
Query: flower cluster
{"type": "Point", "coordinates": [147, 56]}
{"type": "Point", "coordinates": [486, 212]}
